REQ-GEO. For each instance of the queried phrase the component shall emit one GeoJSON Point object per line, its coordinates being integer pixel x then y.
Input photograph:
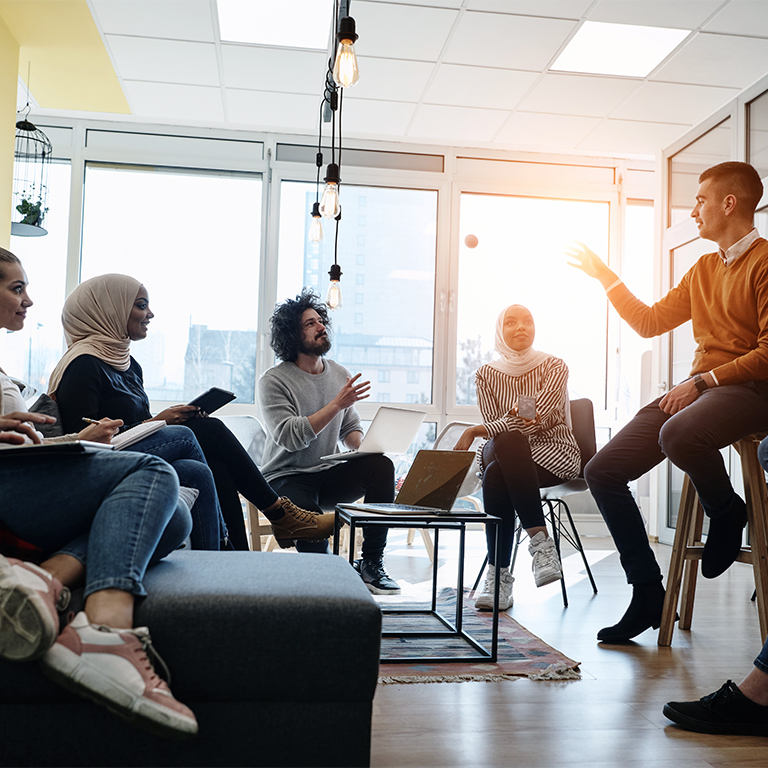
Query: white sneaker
{"type": "Point", "coordinates": [111, 667]}
{"type": "Point", "coordinates": [546, 563]}
{"type": "Point", "coordinates": [506, 579]}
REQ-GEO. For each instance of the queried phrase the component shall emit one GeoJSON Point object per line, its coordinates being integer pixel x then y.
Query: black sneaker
{"type": "Point", "coordinates": [378, 581]}
{"type": "Point", "coordinates": [727, 710]}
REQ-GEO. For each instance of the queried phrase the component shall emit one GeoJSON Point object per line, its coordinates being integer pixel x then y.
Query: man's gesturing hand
{"type": "Point", "coordinates": [352, 391]}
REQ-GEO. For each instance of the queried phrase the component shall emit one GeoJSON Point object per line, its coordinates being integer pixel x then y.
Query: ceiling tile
{"type": "Point", "coordinates": [175, 102]}
{"type": "Point", "coordinates": [742, 17]}
{"type": "Point", "coordinates": [579, 95]}
{"type": "Point", "coordinates": [164, 61]}
{"type": "Point", "coordinates": [273, 111]}
{"type": "Point", "coordinates": [363, 117]}
{"type": "Point", "coordinates": [677, 14]}
{"type": "Point", "coordinates": [673, 103]}
{"type": "Point", "coordinates": [390, 79]}
{"type": "Point", "coordinates": [710, 59]}
{"type": "Point", "coordinates": [457, 124]}
{"type": "Point", "coordinates": [457, 85]}
{"type": "Point", "coordinates": [559, 9]}
{"type": "Point", "coordinates": [274, 69]}
{"type": "Point", "coordinates": [394, 31]}
{"type": "Point", "coordinates": [508, 42]}
{"type": "Point", "coordinates": [526, 130]}
{"type": "Point", "coordinates": [634, 137]}
{"type": "Point", "coordinates": [173, 19]}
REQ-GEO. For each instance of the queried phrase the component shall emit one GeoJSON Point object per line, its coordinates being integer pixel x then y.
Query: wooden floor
{"type": "Point", "coordinates": [612, 717]}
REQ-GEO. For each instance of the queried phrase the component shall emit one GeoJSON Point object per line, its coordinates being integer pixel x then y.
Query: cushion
{"type": "Point", "coordinates": [48, 407]}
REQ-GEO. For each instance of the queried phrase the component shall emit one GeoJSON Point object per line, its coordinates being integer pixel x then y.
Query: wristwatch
{"type": "Point", "coordinates": [701, 385]}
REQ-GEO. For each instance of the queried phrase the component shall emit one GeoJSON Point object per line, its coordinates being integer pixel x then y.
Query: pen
{"type": "Point", "coordinates": [90, 421]}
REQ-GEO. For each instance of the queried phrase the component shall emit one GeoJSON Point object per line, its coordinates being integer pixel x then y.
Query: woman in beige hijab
{"type": "Point", "coordinates": [98, 378]}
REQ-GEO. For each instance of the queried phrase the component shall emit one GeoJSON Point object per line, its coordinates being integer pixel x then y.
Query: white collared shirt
{"type": "Point", "coordinates": [739, 248]}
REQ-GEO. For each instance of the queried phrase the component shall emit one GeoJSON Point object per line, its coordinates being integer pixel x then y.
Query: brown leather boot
{"type": "Point", "coordinates": [298, 523]}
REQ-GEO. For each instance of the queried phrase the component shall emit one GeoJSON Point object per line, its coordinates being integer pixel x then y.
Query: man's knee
{"type": "Point", "coordinates": [677, 444]}
{"type": "Point", "coordinates": [600, 472]}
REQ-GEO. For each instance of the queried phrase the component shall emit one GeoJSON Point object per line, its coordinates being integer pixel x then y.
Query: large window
{"type": "Point", "coordinates": [193, 239]}
{"type": "Point", "coordinates": [637, 273]}
{"type": "Point", "coordinates": [520, 259]}
{"type": "Point", "coordinates": [31, 354]}
{"type": "Point", "coordinates": [387, 244]}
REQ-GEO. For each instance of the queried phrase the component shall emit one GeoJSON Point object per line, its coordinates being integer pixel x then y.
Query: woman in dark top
{"type": "Point", "coordinates": [97, 377]}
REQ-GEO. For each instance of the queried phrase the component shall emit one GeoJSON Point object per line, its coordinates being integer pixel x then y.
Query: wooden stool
{"type": "Point", "coordinates": [687, 547]}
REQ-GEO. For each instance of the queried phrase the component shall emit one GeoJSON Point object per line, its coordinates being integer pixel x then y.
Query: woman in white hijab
{"type": "Point", "coordinates": [98, 378]}
{"type": "Point", "coordinates": [524, 450]}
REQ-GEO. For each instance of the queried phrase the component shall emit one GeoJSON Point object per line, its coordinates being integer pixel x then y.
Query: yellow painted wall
{"type": "Point", "coordinates": [70, 67]}
{"type": "Point", "coordinates": [9, 73]}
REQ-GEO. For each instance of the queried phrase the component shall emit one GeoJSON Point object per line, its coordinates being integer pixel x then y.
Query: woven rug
{"type": "Point", "coordinates": [520, 653]}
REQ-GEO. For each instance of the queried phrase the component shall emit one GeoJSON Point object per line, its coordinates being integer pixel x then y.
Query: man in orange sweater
{"type": "Point", "coordinates": [725, 295]}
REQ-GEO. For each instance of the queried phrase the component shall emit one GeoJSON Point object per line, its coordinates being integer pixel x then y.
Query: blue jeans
{"type": "Point", "coordinates": [370, 476]}
{"type": "Point", "coordinates": [761, 662]}
{"type": "Point", "coordinates": [691, 440]}
{"type": "Point", "coordinates": [179, 447]}
{"type": "Point", "coordinates": [121, 507]}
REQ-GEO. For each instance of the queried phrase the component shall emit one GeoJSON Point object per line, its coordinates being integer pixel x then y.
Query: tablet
{"type": "Point", "coordinates": [213, 399]}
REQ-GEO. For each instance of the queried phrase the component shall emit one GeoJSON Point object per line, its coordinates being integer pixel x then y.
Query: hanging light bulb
{"type": "Point", "coordinates": [333, 299]}
{"type": "Point", "coordinates": [345, 71]}
{"type": "Point", "coordinates": [329, 202]}
{"type": "Point", "coordinates": [316, 227]}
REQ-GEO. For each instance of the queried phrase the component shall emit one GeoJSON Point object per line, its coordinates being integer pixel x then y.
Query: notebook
{"type": "Point", "coordinates": [431, 486]}
{"type": "Point", "coordinates": [392, 431]}
{"type": "Point", "coordinates": [45, 449]}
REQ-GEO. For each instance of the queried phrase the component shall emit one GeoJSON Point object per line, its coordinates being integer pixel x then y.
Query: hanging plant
{"type": "Point", "coordinates": [33, 213]}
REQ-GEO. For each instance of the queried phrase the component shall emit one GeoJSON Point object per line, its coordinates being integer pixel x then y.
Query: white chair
{"type": "Point", "coordinates": [253, 437]}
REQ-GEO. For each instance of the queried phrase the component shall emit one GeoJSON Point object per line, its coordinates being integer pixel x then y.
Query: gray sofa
{"type": "Point", "coordinates": [277, 655]}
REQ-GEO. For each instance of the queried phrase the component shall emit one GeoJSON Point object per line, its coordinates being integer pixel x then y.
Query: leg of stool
{"type": "Point", "coordinates": [757, 517]}
{"type": "Point", "coordinates": [688, 500]}
{"type": "Point", "coordinates": [688, 591]}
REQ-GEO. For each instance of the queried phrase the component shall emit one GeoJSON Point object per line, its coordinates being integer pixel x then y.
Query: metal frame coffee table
{"type": "Point", "coordinates": [447, 628]}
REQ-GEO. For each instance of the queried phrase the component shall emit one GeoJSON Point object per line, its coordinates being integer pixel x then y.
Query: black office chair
{"type": "Point", "coordinates": [583, 426]}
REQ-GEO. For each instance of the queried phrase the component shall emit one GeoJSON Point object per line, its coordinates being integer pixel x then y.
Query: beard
{"type": "Point", "coordinates": [318, 347]}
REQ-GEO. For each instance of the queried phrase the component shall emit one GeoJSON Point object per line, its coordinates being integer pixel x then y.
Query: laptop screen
{"type": "Point", "coordinates": [435, 478]}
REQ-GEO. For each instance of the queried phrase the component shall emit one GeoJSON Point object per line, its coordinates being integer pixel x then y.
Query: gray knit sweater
{"type": "Point", "coordinates": [287, 396]}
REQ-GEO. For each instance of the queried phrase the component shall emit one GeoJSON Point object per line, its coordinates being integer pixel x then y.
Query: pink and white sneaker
{"type": "Point", "coordinates": [112, 667]}
{"type": "Point", "coordinates": [30, 598]}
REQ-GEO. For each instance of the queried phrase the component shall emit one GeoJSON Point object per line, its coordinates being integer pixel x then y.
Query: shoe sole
{"type": "Point", "coordinates": [489, 606]}
{"type": "Point", "coordinates": [548, 578]}
{"type": "Point", "coordinates": [27, 629]}
{"type": "Point", "coordinates": [380, 591]}
{"type": "Point", "coordinates": [701, 726]}
{"type": "Point", "coordinates": [73, 672]}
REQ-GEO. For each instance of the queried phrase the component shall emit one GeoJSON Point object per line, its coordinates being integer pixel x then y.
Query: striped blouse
{"type": "Point", "coordinates": [553, 445]}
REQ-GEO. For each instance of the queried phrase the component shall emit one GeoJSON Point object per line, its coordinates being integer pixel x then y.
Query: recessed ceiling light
{"type": "Point", "coordinates": [618, 49]}
{"type": "Point", "coordinates": [294, 24]}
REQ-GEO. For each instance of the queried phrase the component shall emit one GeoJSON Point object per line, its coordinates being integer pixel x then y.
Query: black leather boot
{"type": "Point", "coordinates": [723, 542]}
{"type": "Point", "coordinates": [643, 613]}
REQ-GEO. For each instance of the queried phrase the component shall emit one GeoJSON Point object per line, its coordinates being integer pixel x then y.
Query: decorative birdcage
{"type": "Point", "coordinates": [32, 160]}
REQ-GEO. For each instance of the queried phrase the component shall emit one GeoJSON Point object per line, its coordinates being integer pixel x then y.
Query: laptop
{"type": "Point", "coordinates": [392, 431]}
{"type": "Point", "coordinates": [47, 449]}
{"type": "Point", "coordinates": [430, 487]}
